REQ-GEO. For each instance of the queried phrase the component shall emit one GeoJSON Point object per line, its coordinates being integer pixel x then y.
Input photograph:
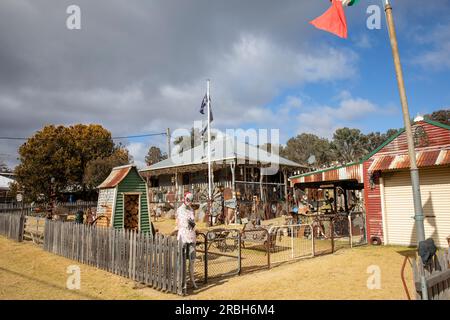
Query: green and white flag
{"type": "Point", "coordinates": [349, 3]}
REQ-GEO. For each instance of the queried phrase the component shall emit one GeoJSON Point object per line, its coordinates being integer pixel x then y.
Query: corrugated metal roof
{"type": "Point", "coordinates": [4, 182]}
{"type": "Point", "coordinates": [348, 172]}
{"type": "Point", "coordinates": [227, 149]}
{"type": "Point", "coordinates": [116, 176]}
{"type": "Point", "coordinates": [423, 158]}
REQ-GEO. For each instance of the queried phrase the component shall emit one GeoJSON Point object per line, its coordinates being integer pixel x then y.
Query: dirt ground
{"type": "Point", "coordinates": [28, 272]}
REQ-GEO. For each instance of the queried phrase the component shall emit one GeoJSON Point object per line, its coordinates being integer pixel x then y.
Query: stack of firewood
{"type": "Point", "coordinates": [131, 213]}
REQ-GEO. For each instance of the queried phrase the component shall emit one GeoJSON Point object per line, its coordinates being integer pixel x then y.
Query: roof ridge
{"type": "Point", "coordinates": [124, 166]}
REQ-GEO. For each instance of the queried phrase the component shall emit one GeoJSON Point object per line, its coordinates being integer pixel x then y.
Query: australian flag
{"type": "Point", "coordinates": [204, 106]}
{"type": "Point", "coordinates": [202, 111]}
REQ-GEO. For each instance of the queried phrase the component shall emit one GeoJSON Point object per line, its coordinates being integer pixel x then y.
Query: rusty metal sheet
{"type": "Point", "coordinates": [424, 159]}
{"type": "Point", "coordinates": [381, 163]}
{"type": "Point", "coordinates": [331, 175]}
{"type": "Point", "coordinates": [400, 162]}
{"type": "Point", "coordinates": [443, 158]}
{"type": "Point", "coordinates": [354, 172]}
{"type": "Point", "coordinates": [115, 177]}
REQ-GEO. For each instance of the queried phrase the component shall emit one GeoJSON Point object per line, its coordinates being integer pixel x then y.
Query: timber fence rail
{"type": "Point", "coordinates": [12, 226]}
{"type": "Point", "coordinates": [41, 209]}
{"type": "Point", "coordinates": [432, 280]}
{"type": "Point", "coordinates": [157, 261]}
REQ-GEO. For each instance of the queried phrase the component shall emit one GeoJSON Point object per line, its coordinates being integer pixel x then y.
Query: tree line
{"type": "Point", "coordinates": [347, 145]}
{"type": "Point", "coordinates": [61, 160]}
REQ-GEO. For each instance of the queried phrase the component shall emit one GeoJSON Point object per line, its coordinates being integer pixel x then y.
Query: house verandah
{"type": "Point", "coordinates": [248, 182]}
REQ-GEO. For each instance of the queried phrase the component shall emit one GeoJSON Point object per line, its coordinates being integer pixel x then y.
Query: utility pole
{"type": "Point", "coordinates": [418, 211]}
{"type": "Point", "coordinates": [169, 151]}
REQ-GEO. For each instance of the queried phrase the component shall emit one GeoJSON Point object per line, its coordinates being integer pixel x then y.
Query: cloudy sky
{"type": "Point", "coordinates": [139, 66]}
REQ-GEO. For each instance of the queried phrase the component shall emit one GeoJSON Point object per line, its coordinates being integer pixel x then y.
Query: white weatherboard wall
{"type": "Point", "coordinates": [435, 191]}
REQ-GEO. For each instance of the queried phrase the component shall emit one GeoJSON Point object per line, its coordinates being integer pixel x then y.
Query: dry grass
{"type": "Point", "coordinates": [28, 272]}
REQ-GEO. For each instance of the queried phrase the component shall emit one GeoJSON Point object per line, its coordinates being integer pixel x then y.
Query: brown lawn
{"type": "Point", "coordinates": [28, 272]}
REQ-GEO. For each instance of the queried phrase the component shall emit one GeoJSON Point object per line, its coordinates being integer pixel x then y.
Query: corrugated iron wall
{"type": "Point", "coordinates": [436, 136]}
{"type": "Point", "coordinates": [132, 183]}
{"type": "Point", "coordinates": [372, 199]}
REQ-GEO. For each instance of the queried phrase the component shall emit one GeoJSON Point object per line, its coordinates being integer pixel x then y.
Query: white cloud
{"type": "Point", "coordinates": [252, 73]}
{"type": "Point", "coordinates": [324, 120]}
{"type": "Point", "coordinates": [363, 41]}
{"type": "Point", "coordinates": [436, 44]}
{"type": "Point", "coordinates": [138, 150]}
{"type": "Point", "coordinates": [247, 72]}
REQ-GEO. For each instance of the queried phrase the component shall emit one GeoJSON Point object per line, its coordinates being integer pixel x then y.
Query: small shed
{"type": "Point", "coordinates": [122, 200]}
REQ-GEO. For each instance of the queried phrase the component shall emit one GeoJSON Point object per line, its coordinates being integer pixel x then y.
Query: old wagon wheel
{"type": "Point", "coordinates": [217, 201]}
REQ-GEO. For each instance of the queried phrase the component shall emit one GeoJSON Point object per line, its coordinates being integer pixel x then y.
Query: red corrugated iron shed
{"type": "Point", "coordinates": [115, 177]}
{"type": "Point", "coordinates": [432, 149]}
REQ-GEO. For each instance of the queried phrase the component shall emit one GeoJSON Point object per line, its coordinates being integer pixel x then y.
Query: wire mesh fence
{"type": "Point", "coordinates": [223, 252]}
{"type": "Point", "coordinates": [291, 242]}
{"type": "Point", "coordinates": [341, 231]}
{"type": "Point", "coordinates": [358, 229]}
{"type": "Point", "coordinates": [322, 227]}
{"type": "Point", "coordinates": [256, 245]}
{"type": "Point", "coordinates": [200, 266]}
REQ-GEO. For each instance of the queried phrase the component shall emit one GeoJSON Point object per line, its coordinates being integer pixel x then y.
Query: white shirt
{"type": "Point", "coordinates": [185, 234]}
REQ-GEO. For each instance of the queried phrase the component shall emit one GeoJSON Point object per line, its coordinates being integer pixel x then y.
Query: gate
{"type": "Point", "coordinates": [341, 231]}
{"type": "Point", "coordinates": [218, 254]}
{"type": "Point", "coordinates": [291, 242]}
{"type": "Point", "coordinates": [358, 234]}
{"type": "Point", "coordinates": [349, 230]}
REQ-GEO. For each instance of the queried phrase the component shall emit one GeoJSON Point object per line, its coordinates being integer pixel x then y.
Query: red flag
{"type": "Point", "coordinates": [333, 20]}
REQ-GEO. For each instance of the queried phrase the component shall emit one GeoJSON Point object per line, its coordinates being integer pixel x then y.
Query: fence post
{"type": "Point", "coordinates": [268, 249]}
{"type": "Point", "coordinates": [206, 258]}
{"type": "Point", "coordinates": [239, 252]}
{"type": "Point", "coordinates": [292, 242]}
{"type": "Point", "coordinates": [350, 231]}
{"type": "Point", "coordinates": [332, 234]}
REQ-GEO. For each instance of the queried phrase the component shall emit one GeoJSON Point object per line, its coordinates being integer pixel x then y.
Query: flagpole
{"type": "Point", "coordinates": [208, 102]}
{"type": "Point", "coordinates": [414, 171]}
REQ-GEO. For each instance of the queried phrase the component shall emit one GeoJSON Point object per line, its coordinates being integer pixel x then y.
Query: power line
{"type": "Point", "coordinates": [113, 138]}
{"type": "Point", "coordinates": [141, 136]}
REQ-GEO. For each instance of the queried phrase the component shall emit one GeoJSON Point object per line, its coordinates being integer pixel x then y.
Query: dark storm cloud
{"type": "Point", "coordinates": [139, 66]}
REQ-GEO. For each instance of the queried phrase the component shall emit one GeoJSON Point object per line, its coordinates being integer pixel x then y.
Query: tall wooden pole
{"type": "Point", "coordinates": [209, 155]}
{"type": "Point", "coordinates": [169, 151]}
{"type": "Point", "coordinates": [418, 211]}
{"type": "Point", "coordinates": [286, 198]}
